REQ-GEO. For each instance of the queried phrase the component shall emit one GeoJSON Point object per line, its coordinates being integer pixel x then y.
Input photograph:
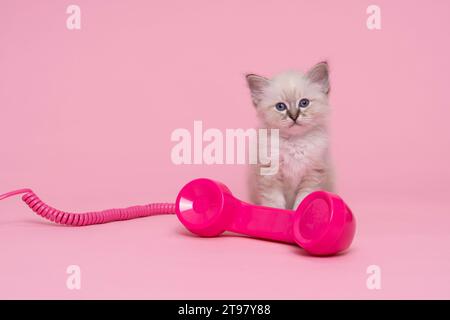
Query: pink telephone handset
{"type": "Point", "coordinates": [322, 223]}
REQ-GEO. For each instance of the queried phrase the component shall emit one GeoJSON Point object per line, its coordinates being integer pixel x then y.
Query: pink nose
{"type": "Point", "coordinates": [322, 224]}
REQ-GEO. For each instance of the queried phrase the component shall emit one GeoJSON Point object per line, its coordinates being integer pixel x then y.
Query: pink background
{"type": "Point", "coordinates": [86, 118]}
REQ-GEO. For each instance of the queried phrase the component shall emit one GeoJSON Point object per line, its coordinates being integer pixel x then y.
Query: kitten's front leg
{"type": "Point", "coordinates": [268, 191]}
{"type": "Point", "coordinates": [274, 198]}
{"type": "Point", "coordinates": [300, 196]}
{"type": "Point", "coordinates": [315, 180]}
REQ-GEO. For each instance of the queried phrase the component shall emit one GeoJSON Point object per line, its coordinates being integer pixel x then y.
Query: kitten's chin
{"type": "Point", "coordinates": [295, 129]}
{"type": "Point", "coordinates": [290, 130]}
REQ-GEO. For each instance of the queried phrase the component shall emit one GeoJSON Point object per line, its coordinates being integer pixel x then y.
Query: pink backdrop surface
{"type": "Point", "coordinates": [86, 117]}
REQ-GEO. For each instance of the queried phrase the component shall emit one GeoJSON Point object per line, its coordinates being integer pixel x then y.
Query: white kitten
{"type": "Point", "coordinates": [297, 105]}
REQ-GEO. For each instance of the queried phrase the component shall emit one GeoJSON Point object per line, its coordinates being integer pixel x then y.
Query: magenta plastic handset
{"type": "Point", "coordinates": [322, 224]}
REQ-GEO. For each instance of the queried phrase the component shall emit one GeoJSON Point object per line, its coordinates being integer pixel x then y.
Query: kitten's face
{"type": "Point", "coordinates": [292, 102]}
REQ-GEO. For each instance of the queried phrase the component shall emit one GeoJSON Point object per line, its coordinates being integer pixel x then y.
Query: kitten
{"type": "Point", "coordinates": [297, 105]}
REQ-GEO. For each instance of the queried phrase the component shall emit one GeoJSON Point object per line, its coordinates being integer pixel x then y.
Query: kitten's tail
{"type": "Point", "coordinates": [89, 218]}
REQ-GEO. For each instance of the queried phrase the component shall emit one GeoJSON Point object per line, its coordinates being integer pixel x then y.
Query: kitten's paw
{"type": "Point", "coordinates": [274, 205]}
{"type": "Point", "coordinates": [274, 200]}
{"type": "Point", "coordinates": [299, 199]}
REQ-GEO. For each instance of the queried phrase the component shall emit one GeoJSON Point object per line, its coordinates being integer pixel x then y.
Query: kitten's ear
{"type": "Point", "coordinates": [320, 74]}
{"type": "Point", "coordinates": [257, 85]}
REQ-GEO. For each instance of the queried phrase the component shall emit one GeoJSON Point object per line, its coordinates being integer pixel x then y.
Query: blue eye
{"type": "Point", "coordinates": [280, 106]}
{"type": "Point", "coordinates": [303, 103]}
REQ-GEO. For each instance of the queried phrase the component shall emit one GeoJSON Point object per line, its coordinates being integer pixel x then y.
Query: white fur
{"type": "Point", "coordinates": [305, 165]}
